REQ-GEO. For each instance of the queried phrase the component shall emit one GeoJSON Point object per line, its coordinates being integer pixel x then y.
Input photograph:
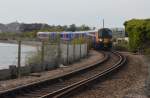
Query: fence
{"type": "Point", "coordinates": [59, 52]}
{"type": "Point", "coordinates": [48, 54]}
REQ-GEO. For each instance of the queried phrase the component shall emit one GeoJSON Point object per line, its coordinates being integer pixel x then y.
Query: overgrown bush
{"type": "Point", "coordinates": [121, 47]}
{"type": "Point", "coordinates": [139, 33]}
{"type": "Point", "coordinates": [49, 57]}
{"type": "Point", "coordinates": [34, 59]}
{"type": "Point", "coordinates": [147, 51]}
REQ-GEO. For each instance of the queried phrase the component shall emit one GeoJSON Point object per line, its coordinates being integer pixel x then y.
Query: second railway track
{"type": "Point", "coordinates": [62, 86]}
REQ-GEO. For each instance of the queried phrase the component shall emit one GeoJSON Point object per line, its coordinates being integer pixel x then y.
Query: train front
{"type": "Point", "coordinates": [104, 39]}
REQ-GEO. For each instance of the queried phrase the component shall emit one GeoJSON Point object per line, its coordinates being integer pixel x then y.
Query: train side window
{"type": "Point", "coordinates": [66, 35]}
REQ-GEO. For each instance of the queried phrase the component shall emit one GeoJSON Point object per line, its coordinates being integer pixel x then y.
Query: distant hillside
{"type": "Point", "coordinates": [16, 27]}
{"type": "Point", "coordinates": [3, 28]}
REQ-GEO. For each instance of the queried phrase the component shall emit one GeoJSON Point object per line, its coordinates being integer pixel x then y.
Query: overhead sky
{"type": "Point", "coordinates": [65, 12]}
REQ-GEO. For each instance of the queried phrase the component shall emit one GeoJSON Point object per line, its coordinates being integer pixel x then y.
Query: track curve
{"type": "Point", "coordinates": [62, 86]}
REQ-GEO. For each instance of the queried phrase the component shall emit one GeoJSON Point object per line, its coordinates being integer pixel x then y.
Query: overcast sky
{"type": "Point", "coordinates": [65, 12]}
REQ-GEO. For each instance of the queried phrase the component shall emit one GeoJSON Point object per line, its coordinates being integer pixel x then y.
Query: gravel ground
{"type": "Point", "coordinates": [129, 82]}
{"type": "Point", "coordinates": [94, 57]}
{"type": "Point", "coordinates": [147, 61]}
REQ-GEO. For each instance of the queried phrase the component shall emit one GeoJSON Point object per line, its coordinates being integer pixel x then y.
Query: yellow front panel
{"type": "Point", "coordinates": [106, 40]}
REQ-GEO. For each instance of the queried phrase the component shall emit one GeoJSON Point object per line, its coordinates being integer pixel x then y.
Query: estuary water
{"type": "Point", "coordinates": [9, 54]}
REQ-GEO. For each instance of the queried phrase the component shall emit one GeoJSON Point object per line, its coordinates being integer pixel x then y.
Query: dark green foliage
{"type": "Point", "coordinates": [147, 51]}
{"type": "Point", "coordinates": [139, 33]}
{"type": "Point", "coordinates": [72, 28]}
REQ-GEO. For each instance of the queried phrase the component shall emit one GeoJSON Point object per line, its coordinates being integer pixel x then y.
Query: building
{"type": "Point", "coordinates": [119, 36]}
{"type": "Point", "coordinates": [118, 32]}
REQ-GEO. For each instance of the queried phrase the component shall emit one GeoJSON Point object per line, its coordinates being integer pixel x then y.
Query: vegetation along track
{"type": "Point", "coordinates": [60, 87]}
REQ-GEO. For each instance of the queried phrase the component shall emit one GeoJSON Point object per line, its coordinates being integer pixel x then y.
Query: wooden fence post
{"type": "Point", "coordinates": [80, 46]}
{"type": "Point", "coordinates": [74, 57]}
{"type": "Point", "coordinates": [67, 51]}
{"type": "Point", "coordinates": [86, 46]}
{"type": "Point", "coordinates": [19, 59]}
{"type": "Point", "coordinates": [59, 50]}
{"type": "Point", "coordinates": [42, 55]}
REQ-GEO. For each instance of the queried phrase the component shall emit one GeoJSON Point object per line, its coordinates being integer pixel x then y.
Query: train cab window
{"type": "Point", "coordinates": [44, 35]}
{"type": "Point", "coordinates": [110, 33]}
{"type": "Point", "coordinates": [104, 33]}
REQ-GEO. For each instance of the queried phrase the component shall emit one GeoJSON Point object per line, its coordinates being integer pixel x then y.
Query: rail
{"type": "Point", "coordinates": [61, 93]}
{"type": "Point", "coordinates": [11, 93]}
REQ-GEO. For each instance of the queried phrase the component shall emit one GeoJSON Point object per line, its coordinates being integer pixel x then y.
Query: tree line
{"type": "Point", "coordinates": [29, 31]}
{"type": "Point", "coordinates": [139, 34]}
{"type": "Point", "coordinates": [52, 28]}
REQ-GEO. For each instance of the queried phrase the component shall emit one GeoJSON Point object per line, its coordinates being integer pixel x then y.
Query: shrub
{"type": "Point", "coordinates": [121, 47]}
{"type": "Point", "coordinates": [34, 59]}
{"type": "Point", "coordinates": [147, 51]}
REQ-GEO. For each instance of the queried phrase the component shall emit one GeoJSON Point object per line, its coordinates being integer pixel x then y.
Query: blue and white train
{"type": "Point", "coordinates": [63, 35]}
{"type": "Point", "coordinates": [100, 39]}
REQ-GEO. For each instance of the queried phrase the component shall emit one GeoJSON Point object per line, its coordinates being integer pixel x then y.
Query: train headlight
{"type": "Point", "coordinates": [100, 40]}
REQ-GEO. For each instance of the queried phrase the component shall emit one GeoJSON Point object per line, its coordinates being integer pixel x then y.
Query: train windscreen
{"type": "Point", "coordinates": [105, 33]}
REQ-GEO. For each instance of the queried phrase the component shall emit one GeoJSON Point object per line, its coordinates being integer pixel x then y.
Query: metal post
{"type": "Point", "coordinates": [80, 46]}
{"type": "Point", "coordinates": [86, 46]}
{"type": "Point", "coordinates": [59, 51]}
{"type": "Point", "coordinates": [42, 55]}
{"type": "Point", "coordinates": [103, 23]}
{"type": "Point", "coordinates": [19, 59]}
{"type": "Point", "coordinates": [74, 50]}
{"type": "Point", "coordinates": [67, 52]}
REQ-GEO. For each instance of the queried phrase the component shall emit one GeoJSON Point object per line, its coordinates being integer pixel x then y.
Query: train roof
{"type": "Point", "coordinates": [76, 32]}
{"type": "Point", "coordinates": [66, 32]}
{"type": "Point", "coordinates": [46, 32]}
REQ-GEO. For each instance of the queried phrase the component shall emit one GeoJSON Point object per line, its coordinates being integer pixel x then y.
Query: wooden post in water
{"type": "Point", "coordinates": [19, 59]}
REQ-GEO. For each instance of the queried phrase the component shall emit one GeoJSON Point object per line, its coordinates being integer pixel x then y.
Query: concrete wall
{"type": "Point", "coordinates": [5, 74]}
{"type": "Point", "coordinates": [71, 55]}
{"type": "Point", "coordinates": [50, 61]}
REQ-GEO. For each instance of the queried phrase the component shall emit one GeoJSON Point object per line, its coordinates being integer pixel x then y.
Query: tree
{"type": "Point", "coordinates": [138, 32]}
{"type": "Point", "coordinates": [84, 28]}
{"type": "Point", "coordinates": [72, 28]}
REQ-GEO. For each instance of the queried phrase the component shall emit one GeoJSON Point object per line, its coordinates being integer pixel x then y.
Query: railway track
{"type": "Point", "coordinates": [61, 87]}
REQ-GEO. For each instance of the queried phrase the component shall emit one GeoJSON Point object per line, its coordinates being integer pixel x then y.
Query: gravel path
{"type": "Point", "coordinates": [129, 82]}
{"type": "Point", "coordinates": [147, 61]}
{"type": "Point", "coordinates": [94, 57]}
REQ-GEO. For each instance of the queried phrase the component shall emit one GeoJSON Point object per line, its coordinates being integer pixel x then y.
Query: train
{"type": "Point", "coordinates": [100, 39]}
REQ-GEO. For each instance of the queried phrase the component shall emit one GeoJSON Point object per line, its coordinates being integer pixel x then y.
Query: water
{"type": "Point", "coordinates": [9, 54]}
